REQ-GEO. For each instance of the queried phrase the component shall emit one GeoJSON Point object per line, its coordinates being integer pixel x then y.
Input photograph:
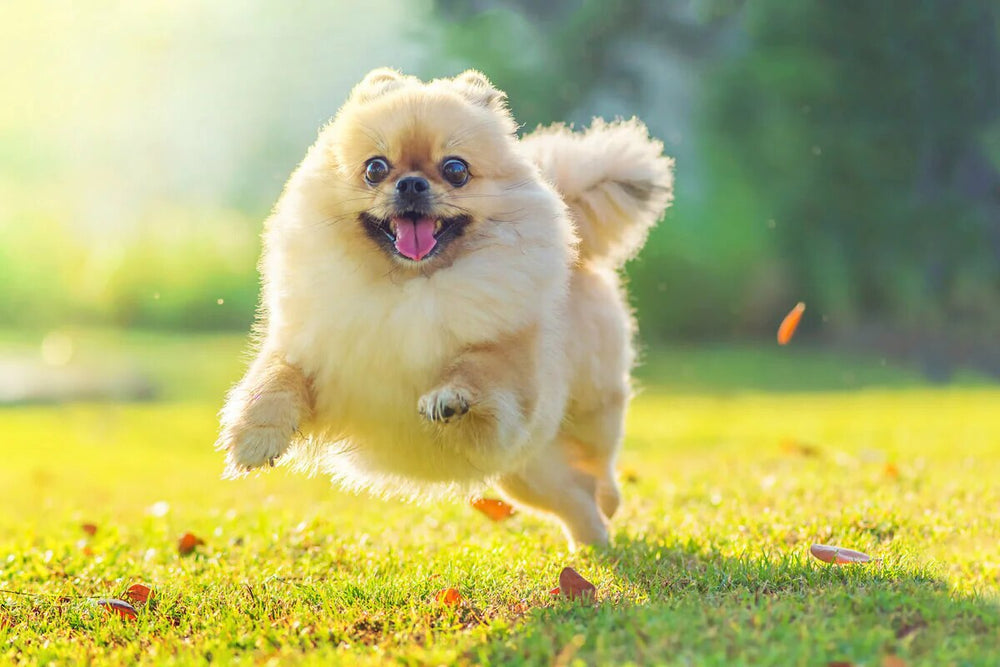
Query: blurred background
{"type": "Point", "coordinates": [842, 154]}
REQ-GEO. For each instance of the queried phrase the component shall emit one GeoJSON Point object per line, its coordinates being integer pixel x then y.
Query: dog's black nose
{"type": "Point", "coordinates": [412, 186]}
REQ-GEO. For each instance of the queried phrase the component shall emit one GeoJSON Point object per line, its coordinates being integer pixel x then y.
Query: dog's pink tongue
{"type": "Point", "coordinates": [414, 239]}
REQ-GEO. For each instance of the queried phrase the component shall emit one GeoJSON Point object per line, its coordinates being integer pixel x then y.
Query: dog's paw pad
{"type": "Point", "coordinates": [442, 405]}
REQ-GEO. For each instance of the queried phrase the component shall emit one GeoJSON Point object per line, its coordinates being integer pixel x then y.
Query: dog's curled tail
{"type": "Point", "coordinates": [613, 177]}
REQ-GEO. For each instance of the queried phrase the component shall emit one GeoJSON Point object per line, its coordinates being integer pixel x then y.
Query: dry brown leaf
{"type": "Point", "coordinates": [838, 555]}
{"type": "Point", "coordinates": [574, 586]}
{"type": "Point", "coordinates": [448, 596]}
{"type": "Point", "coordinates": [120, 607]}
{"type": "Point", "coordinates": [187, 544]}
{"type": "Point", "coordinates": [907, 629]}
{"type": "Point", "coordinates": [89, 528]}
{"type": "Point", "coordinates": [793, 446]}
{"type": "Point", "coordinates": [495, 509]}
{"type": "Point", "coordinates": [791, 322]}
{"type": "Point", "coordinates": [893, 661]}
{"type": "Point", "coordinates": [139, 593]}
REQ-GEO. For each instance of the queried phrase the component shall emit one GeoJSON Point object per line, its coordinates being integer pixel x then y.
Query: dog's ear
{"type": "Point", "coordinates": [377, 83]}
{"type": "Point", "coordinates": [478, 89]}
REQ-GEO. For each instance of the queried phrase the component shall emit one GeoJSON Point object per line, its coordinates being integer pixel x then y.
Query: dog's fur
{"type": "Point", "coordinates": [503, 357]}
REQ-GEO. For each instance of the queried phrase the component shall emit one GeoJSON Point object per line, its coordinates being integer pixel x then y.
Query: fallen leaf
{"type": "Point", "coordinates": [838, 555]}
{"type": "Point", "coordinates": [89, 528]}
{"type": "Point", "coordinates": [555, 591]}
{"type": "Point", "coordinates": [120, 607]}
{"type": "Point", "coordinates": [908, 629]}
{"type": "Point", "coordinates": [187, 544]}
{"type": "Point", "coordinates": [448, 596]}
{"type": "Point", "coordinates": [788, 325]}
{"type": "Point", "coordinates": [574, 586]}
{"type": "Point", "coordinates": [891, 470]}
{"type": "Point", "coordinates": [793, 446]}
{"type": "Point", "coordinates": [893, 661]}
{"type": "Point", "coordinates": [139, 593]}
{"type": "Point", "coordinates": [496, 510]}
{"type": "Point", "coordinates": [87, 551]}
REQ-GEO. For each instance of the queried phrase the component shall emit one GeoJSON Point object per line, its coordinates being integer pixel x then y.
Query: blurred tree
{"type": "Point", "coordinates": [865, 128]}
{"type": "Point", "coordinates": [554, 54]}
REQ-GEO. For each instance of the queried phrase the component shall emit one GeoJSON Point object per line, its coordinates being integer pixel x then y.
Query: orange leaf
{"type": "Point", "coordinates": [139, 593]}
{"type": "Point", "coordinates": [838, 555]}
{"type": "Point", "coordinates": [893, 661]}
{"type": "Point", "coordinates": [187, 544]}
{"type": "Point", "coordinates": [574, 586]}
{"type": "Point", "coordinates": [120, 607]}
{"type": "Point", "coordinates": [891, 470]}
{"type": "Point", "coordinates": [448, 596]}
{"type": "Point", "coordinates": [788, 325]}
{"type": "Point", "coordinates": [793, 446]}
{"type": "Point", "coordinates": [89, 528]}
{"type": "Point", "coordinates": [496, 510]}
{"type": "Point", "coordinates": [555, 591]}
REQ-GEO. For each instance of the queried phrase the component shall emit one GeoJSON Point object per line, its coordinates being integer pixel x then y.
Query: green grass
{"type": "Point", "coordinates": [725, 491]}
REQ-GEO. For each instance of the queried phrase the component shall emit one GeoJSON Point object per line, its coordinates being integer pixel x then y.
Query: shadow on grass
{"type": "Point", "coordinates": [679, 604]}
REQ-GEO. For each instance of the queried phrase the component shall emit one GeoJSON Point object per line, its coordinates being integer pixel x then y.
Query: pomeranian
{"type": "Point", "coordinates": [441, 307]}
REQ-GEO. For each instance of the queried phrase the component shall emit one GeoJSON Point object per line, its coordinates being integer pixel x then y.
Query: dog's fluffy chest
{"type": "Point", "coordinates": [372, 351]}
{"type": "Point", "coordinates": [371, 355]}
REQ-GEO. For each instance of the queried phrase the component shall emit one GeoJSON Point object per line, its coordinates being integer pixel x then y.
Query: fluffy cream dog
{"type": "Point", "coordinates": [441, 306]}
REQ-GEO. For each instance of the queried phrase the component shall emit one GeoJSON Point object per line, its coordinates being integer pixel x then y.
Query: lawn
{"type": "Point", "coordinates": [727, 482]}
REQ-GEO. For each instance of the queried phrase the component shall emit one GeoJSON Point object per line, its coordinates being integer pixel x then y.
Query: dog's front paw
{"type": "Point", "coordinates": [253, 447]}
{"type": "Point", "coordinates": [443, 404]}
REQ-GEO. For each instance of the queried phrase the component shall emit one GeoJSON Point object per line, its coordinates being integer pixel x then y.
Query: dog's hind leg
{"type": "Point", "coordinates": [551, 483]}
{"type": "Point", "coordinates": [593, 440]}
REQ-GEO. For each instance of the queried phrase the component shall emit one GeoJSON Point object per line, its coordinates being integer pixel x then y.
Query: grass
{"type": "Point", "coordinates": [724, 492]}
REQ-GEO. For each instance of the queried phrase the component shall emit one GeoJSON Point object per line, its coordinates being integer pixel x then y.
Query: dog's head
{"type": "Point", "coordinates": [417, 170]}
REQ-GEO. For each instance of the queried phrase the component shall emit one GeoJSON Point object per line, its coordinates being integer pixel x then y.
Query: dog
{"type": "Point", "coordinates": [441, 306]}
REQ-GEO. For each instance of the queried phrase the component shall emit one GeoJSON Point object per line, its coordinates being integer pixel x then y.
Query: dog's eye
{"type": "Point", "coordinates": [455, 171]}
{"type": "Point", "coordinates": [376, 170]}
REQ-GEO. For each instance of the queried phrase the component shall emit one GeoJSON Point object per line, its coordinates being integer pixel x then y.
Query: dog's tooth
{"type": "Point", "coordinates": [437, 225]}
{"type": "Point", "coordinates": [392, 227]}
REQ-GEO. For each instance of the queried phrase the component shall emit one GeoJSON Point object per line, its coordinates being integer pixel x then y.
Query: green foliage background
{"type": "Point", "coordinates": [845, 154]}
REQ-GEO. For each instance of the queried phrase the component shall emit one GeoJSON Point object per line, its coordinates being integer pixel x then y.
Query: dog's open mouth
{"type": "Point", "coordinates": [415, 235]}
